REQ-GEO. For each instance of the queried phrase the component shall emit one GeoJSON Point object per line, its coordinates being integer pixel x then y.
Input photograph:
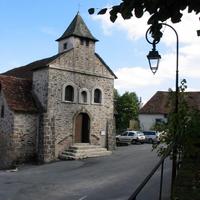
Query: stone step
{"type": "Point", "coordinates": [100, 149]}
{"type": "Point", "coordinates": [71, 156]}
{"type": "Point", "coordinates": [87, 154]}
{"type": "Point", "coordinates": [84, 147]}
{"type": "Point", "coordinates": [82, 151]}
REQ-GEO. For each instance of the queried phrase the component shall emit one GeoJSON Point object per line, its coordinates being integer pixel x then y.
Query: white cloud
{"type": "Point", "coordinates": [186, 30]}
{"type": "Point", "coordinates": [134, 28]}
{"type": "Point", "coordinates": [139, 78]}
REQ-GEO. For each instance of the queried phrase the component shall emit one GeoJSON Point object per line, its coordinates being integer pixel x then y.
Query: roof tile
{"type": "Point", "coordinates": [18, 94]}
{"type": "Point", "coordinates": [159, 103]}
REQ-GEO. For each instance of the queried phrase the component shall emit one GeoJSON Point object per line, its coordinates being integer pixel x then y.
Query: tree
{"type": "Point", "coordinates": [159, 10]}
{"type": "Point", "coordinates": [182, 128]}
{"type": "Point", "coordinates": [127, 107]}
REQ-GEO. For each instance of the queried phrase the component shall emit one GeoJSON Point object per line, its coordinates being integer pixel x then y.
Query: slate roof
{"type": "Point", "coordinates": [103, 62]}
{"type": "Point", "coordinates": [159, 103]}
{"type": "Point", "coordinates": [77, 28]}
{"type": "Point", "coordinates": [17, 93]}
{"type": "Point", "coordinates": [26, 71]}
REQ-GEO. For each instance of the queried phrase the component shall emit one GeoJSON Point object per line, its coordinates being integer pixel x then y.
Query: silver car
{"type": "Point", "coordinates": [152, 136]}
{"type": "Point", "coordinates": [130, 137]}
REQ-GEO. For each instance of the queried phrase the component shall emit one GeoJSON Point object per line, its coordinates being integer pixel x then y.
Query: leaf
{"type": "Point", "coordinates": [102, 11]}
{"type": "Point", "coordinates": [91, 11]}
{"type": "Point", "coordinates": [177, 17]}
{"type": "Point", "coordinates": [113, 13]}
{"type": "Point", "coordinates": [113, 18]}
{"type": "Point", "coordinates": [138, 12]}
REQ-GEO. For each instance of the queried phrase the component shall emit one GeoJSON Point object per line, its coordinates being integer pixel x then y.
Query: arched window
{"type": "Point", "coordinates": [69, 93]}
{"type": "Point", "coordinates": [97, 96]}
{"type": "Point", "coordinates": [84, 96]}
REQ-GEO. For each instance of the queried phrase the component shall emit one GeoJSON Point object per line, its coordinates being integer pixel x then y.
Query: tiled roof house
{"type": "Point", "coordinates": [157, 108]}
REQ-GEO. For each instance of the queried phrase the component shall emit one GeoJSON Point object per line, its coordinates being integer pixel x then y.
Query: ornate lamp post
{"type": "Point", "coordinates": [154, 57]}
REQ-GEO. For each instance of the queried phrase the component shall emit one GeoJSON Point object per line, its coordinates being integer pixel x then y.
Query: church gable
{"type": "Point", "coordinates": [102, 66]}
{"type": "Point", "coordinates": [91, 64]}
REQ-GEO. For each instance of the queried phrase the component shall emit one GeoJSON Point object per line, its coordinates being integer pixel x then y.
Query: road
{"type": "Point", "coordinates": [112, 177]}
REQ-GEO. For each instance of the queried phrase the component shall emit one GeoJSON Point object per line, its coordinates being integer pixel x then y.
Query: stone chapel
{"type": "Point", "coordinates": [53, 104]}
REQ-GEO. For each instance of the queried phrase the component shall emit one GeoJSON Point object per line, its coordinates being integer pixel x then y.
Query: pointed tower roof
{"type": "Point", "coordinates": [77, 28]}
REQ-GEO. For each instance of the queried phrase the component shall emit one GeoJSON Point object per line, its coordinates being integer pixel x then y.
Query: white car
{"type": "Point", "coordinates": [152, 136]}
{"type": "Point", "coordinates": [130, 137]}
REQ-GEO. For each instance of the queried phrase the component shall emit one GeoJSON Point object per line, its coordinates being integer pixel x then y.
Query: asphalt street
{"type": "Point", "coordinates": [112, 177]}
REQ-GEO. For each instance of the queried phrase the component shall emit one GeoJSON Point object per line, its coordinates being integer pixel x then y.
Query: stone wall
{"type": "Point", "coordinates": [17, 136]}
{"type": "Point", "coordinates": [46, 138]}
{"type": "Point", "coordinates": [40, 87]}
{"type": "Point", "coordinates": [64, 112]}
{"type": "Point", "coordinates": [85, 71]}
{"type": "Point", "coordinates": [82, 59]}
{"type": "Point", "coordinates": [6, 130]}
{"type": "Point", "coordinates": [24, 136]}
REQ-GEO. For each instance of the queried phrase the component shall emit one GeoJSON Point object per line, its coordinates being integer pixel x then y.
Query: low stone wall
{"type": "Point", "coordinates": [24, 137]}
{"type": "Point", "coordinates": [6, 130]}
{"type": "Point", "coordinates": [6, 153]}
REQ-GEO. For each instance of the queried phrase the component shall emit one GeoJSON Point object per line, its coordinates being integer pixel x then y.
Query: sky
{"type": "Point", "coordinates": [29, 29]}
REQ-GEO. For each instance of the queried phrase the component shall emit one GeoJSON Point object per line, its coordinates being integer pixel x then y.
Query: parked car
{"type": "Point", "coordinates": [151, 136]}
{"type": "Point", "coordinates": [130, 137]}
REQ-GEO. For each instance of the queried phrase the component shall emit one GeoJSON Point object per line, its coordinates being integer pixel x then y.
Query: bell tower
{"type": "Point", "coordinates": [77, 34]}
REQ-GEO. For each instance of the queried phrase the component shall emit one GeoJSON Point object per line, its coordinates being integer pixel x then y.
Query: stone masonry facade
{"type": "Point", "coordinates": [38, 122]}
{"type": "Point", "coordinates": [61, 114]}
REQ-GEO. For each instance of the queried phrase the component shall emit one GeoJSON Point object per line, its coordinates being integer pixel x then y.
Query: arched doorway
{"type": "Point", "coordinates": [82, 128]}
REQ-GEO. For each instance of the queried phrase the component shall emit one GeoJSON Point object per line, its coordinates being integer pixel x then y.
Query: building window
{"type": "Point", "coordinates": [87, 43]}
{"type": "Point", "coordinates": [97, 96]}
{"type": "Point", "coordinates": [82, 41]}
{"type": "Point", "coordinates": [2, 111]}
{"type": "Point", "coordinates": [84, 96]}
{"type": "Point", "coordinates": [69, 93]}
{"type": "Point", "coordinates": [65, 45]}
{"type": "Point", "coordinates": [159, 121]}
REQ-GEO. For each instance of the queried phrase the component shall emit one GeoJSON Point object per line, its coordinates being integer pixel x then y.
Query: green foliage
{"type": "Point", "coordinates": [159, 10]}
{"type": "Point", "coordinates": [126, 108]}
{"type": "Point", "coordinates": [183, 127]}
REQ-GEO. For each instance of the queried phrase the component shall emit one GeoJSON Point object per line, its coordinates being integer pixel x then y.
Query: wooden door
{"type": "Point", "coordinates": [85, 128]}
{"type": "Point", "coordinates": [78, 129]}
{"type": "Point", "coordinates": [82, 128]}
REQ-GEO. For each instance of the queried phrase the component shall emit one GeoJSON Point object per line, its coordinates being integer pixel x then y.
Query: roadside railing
{"type": "Point", "coordinates": [148, 177]}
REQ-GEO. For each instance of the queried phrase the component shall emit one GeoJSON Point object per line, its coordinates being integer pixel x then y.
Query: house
{"type": "Point", "coordinates": [157, 108]}
{"type": "Point", "coordinates": [52, 104]}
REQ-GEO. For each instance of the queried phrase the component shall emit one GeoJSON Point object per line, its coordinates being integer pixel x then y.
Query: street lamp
{"type": "Point", "coordinates": [154, 56]}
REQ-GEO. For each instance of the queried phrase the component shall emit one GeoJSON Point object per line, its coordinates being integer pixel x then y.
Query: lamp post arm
{"type": "Point", "coordinates": [177, 64]}
{"type": "Point", "coordinates": [174, 154]}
